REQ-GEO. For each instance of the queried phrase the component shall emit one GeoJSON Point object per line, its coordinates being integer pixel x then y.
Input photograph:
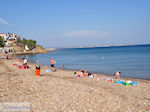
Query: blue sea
{"type": "Point", "coordinates": [131, 61]}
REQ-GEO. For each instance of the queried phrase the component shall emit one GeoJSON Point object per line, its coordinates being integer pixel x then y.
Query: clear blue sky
{"type": "Point", "coordinates": [68, 23]}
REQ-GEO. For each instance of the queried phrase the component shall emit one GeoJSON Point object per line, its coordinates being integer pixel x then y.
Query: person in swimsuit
{"type": "Point", "coordinates": [117, 75]}
{"type": "Point", "coordinates": [52, 64]}
{"type": "Point", "coordinates": [87, 74]}
{"type": "Point", "coordinates": [84, 72]}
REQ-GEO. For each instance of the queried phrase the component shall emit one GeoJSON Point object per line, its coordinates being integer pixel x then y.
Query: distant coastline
{"type": "Point", "coordinates": [97, 46]}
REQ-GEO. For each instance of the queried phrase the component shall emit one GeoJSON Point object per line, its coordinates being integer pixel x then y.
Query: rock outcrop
{"type": "Point", "coordinates": [39, 49]}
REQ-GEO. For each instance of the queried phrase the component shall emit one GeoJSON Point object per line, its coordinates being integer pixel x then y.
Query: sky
{"type": "Point", "coordinates": [74, 23]}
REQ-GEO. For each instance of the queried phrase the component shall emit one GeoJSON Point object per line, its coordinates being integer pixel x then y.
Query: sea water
{"type": "Point", "coordinates": [131, 61]}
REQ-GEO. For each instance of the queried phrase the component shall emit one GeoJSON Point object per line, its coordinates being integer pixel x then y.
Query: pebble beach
{"type": "Point", "coordinates": [60, 91]}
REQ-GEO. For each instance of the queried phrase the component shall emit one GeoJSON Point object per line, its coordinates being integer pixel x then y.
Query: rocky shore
{"type": "Point", "coordinates": [61, 92]}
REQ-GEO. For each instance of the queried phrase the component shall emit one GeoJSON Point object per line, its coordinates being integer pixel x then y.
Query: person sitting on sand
{"type": "Point", "coordinates": [117, 75]}
{"type": "Point", "coordinates": [25, 63]}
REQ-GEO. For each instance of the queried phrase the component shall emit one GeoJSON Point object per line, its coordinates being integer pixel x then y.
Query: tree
{"type": "Point", "coordinates": [24, 41]}
{"type": "Point", "coordinates": [31, 44]}
{"type": "Point", "coordinates": [34, 44]}
{"type": "Point", "coordinates": [1, 42]}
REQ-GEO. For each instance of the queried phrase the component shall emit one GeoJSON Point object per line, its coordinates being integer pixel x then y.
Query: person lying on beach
{"type": "Point", "coordinates": [87, 74]}
{"type": "Point", "coordinates": [77, 74]}
{"type": "Point", "coordinates": [19, 64]}
{"type": "Point", "coordinates": [91, 75]}
{"type": "Point", "coordinates": [84, 72]}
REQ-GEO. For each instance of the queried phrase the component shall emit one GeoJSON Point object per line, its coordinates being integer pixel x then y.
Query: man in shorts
{"type": "Point", "coordinates": [52, 64]}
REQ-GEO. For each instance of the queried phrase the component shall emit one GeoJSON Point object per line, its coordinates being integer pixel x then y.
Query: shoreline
{"type": "Point", "coordinates": [110, 76]}
{"type": "Point", "coordinates": [26, 53]}
{"type": "Point", "coordinates": [97, 73]}
{"type": "Point", "coordinates": [73, 70]}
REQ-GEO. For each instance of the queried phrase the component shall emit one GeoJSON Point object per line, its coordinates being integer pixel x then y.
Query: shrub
{"type": "Point", "coordinates": [1, 42]}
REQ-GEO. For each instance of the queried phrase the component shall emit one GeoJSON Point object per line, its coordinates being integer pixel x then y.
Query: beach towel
{"type": "Point", "coordinates": [91, 76]}
{"type": "Point", "coordinates": [48, 70]}
{"type": "Point", "coordinates": [134, 83]}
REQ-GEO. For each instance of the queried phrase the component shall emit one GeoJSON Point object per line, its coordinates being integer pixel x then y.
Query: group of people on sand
{"type": "Point", "coordinates": [79, 73]}
{"type": "Point", "coordinates": [22, 64]}
{"type": "Point", "coordinates": [84, 73]}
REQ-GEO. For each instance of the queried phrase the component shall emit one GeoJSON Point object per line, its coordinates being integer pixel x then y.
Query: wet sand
{"type": "Point", "coordinates": [60, 91]}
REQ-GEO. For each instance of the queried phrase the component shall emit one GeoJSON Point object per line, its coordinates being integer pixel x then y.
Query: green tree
{"type": "Point", "coordinates": [24, 41]}
{"type": "Point", "coordinates": [34, 44]}
{"type": "Point", "coordinates": [31, 44]}
{"type": "Point", "coordinates": [1, 42]}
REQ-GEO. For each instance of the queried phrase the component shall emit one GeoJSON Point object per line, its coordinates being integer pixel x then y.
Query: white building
{"type": "Point", "coordinates": [4, 36]}
{"type": "Point", "coordinates": [26, 47]}
{"type": "Point", "coordinates": [8, 36]}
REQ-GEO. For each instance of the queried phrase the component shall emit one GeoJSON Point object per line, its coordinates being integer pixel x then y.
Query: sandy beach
{"type": "Point", "coordinates": [60, 91]}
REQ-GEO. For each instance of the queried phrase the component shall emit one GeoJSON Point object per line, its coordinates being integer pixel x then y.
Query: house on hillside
{"type": "Point", "coordinates": [9, 38]}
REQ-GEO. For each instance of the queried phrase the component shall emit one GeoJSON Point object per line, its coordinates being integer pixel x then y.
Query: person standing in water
{"type": "Point", "coordinates": [52, 64]}
{"type": "Point", "coordinates": [62, 67]}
